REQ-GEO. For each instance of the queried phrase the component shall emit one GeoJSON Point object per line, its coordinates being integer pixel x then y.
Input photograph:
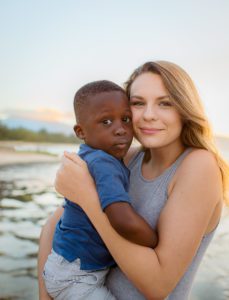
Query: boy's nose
{"type": "Point", "coordinates": [120, 130]}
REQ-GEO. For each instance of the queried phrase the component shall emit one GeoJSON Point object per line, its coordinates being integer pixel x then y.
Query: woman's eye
{"type": "Point", "coordinates": [107, 122]}
{"type": "Point", "coordinates": [165, 103]}
{"type": "Point", "coordinates": [136, 103]}
{"type": "Point", "coordinates": [126, 119]}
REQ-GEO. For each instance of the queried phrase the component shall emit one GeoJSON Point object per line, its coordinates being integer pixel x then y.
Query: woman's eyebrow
{"type": "Point", "coordinates": [136, 96]}
{"type": "Point", "coordinates": [158, 98]}
{"type": "Point", "coordinates": [164, 97]}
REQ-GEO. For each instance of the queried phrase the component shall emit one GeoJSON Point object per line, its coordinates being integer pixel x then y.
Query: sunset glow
{"type": "Point", "coordinates": [42, 114]}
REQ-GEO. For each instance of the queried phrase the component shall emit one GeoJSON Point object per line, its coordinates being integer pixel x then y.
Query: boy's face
{"type": "Point", "coordinates": [106, 123]}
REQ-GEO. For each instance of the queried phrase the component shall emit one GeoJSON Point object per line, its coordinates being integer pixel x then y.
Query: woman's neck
{"type": "Point", "coordinates": [161, 159]}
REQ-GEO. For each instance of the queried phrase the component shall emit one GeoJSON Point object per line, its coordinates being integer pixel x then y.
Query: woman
{"type": "Point", "coordinates": [177, 184]}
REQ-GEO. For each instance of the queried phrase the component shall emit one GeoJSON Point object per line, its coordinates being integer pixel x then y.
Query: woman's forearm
{"type": "Point", "coordinates": [42, 257]}
{"type": "Point", "coordinates": [45, 246]}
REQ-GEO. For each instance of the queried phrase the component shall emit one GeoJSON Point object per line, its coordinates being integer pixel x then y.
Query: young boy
{"type": "Point", "coordinates": [79, 261]}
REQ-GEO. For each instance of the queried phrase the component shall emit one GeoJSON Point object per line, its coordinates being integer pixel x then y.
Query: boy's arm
{"type": "Point", "coordinates": [45, 246]}
{"type": "Point", "coordinates": [130, 225]}
{"type": "Point", "coordinates": [111, 185]}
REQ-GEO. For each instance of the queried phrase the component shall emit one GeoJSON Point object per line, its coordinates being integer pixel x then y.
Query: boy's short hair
{"type": "Point", "coordinates": [91, 89]}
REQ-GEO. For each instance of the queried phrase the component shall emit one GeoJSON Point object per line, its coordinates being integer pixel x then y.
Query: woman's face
{"type": "Point", "coordinates": [156, 121]}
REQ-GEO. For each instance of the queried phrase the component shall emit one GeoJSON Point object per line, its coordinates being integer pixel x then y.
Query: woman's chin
{"type": "Point", "coordinates": [151, 143]}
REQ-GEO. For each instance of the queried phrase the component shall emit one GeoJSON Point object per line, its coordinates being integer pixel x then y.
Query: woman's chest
{"type": "Point", "coordinates": [148, 198]}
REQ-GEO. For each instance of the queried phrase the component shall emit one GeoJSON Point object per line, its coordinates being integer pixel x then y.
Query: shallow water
{"type": "Point", "coordinates": [27, 197]}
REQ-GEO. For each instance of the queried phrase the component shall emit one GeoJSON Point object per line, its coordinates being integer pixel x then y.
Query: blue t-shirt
{"type": "Point", "coordinates": [75, 236]}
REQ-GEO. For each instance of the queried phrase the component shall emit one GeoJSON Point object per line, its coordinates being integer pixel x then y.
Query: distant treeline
{"type": "Point", "coordinates": [22, 134]}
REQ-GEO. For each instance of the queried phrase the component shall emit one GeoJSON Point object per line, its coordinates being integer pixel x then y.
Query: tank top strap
{"type": "Point", "coordinates": [173, 168]}
{"type": "Point", "coordinates": [179, 160]}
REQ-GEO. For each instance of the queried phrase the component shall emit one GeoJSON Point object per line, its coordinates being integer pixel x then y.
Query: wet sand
{"type": "Point", "coordinates": [9, 156]}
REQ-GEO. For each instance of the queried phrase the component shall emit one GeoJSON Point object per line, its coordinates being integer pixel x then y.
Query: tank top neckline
{"type": "Point", "coordinates": [165, 172]}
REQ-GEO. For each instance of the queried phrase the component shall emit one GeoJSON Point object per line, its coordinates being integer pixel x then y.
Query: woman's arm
{"type": "Point", "coordinates": [182, 224]}
{"type": "Point", "coordinates": [45, 246]}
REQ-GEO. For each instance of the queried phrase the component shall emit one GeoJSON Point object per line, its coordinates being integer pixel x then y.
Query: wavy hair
{"type": "Point", "coordinates": [196, 130]}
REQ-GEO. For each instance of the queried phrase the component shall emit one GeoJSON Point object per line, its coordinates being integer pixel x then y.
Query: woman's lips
{"type": "Point", "coordinates": [150, 130]}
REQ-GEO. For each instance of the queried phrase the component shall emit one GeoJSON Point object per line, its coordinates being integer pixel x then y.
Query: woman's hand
{"type": "Point", "coordinates": [74, 181]}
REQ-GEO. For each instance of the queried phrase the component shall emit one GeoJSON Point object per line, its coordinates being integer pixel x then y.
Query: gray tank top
{"type": "Point", "coordinates": [148, 199]}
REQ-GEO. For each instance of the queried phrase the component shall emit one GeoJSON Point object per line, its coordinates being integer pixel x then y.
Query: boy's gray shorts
{"type": "Point", "coordinates": [65, 280]}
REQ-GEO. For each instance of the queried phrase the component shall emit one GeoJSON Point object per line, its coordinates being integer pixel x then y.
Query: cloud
{"type": "Point", "coordinates": [41, 114]}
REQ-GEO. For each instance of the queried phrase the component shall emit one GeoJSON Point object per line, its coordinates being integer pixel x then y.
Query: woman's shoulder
{"type": "Point", "coordinates": [198, 182]}
{"type": "Point", "coordinates": [199, 159]}
{"type": "Point", "coordinates": [199, 165]}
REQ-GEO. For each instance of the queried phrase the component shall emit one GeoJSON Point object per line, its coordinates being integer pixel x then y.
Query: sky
{"type": "Point", "coordinates": [50, 48]}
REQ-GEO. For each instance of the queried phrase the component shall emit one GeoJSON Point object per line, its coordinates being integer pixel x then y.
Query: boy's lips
{"type": "Point", "coordinates": [122, 144]}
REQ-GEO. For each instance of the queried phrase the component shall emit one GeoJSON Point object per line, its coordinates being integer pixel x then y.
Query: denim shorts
{"type": "Point", "coordinates": [65, 280]}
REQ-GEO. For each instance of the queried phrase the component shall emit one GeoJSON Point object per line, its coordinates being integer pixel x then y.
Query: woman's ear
{"type": "Point", "coordinates": [79, 131]}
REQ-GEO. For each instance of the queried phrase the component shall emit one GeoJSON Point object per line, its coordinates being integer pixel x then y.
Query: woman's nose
{"type": "Point", "coordinates": [150, 113]}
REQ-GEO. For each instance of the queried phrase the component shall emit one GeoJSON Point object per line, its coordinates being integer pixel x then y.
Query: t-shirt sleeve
{"type": "Point", "coordinates": [109, 179]}
{"type": "Point", "coordinates": [64, 203]}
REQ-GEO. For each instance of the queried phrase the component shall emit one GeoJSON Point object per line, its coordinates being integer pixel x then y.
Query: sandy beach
{"type": "Point", "coordinates": [8, 155]}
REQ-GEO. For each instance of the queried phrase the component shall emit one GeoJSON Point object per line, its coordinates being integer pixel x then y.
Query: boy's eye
{"type": "Point", "coordinates": [126, 119]}
{"type": "Point", "coordinates": [107, 122]}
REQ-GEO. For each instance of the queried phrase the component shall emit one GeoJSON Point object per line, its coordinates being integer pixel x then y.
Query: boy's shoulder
{"type": "Point", "coordinates": [96, 158]}
{"type": "Point", "coordinates": [91, 155]}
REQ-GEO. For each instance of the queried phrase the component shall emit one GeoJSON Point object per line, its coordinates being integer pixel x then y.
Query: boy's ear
{"type": "Point", "coordinates": [79, 131]}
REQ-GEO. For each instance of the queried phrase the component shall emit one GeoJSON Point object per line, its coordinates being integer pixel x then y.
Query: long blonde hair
{"type": "Point", "coordinates": [196, 130]}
